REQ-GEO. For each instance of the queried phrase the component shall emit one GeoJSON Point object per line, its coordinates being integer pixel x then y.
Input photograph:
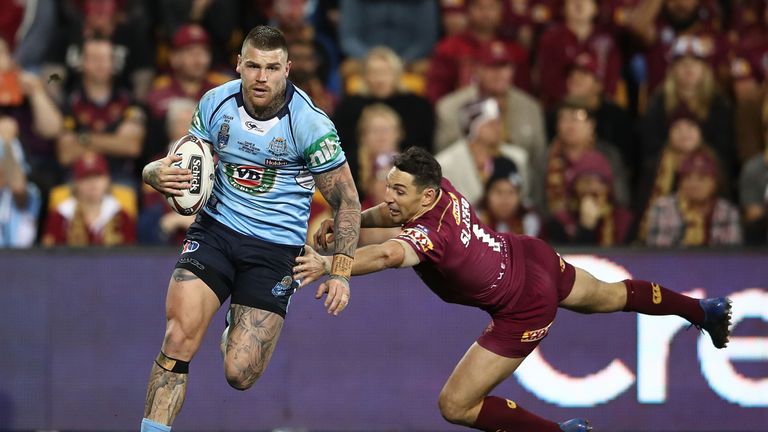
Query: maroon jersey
{"type": "Point", "coordinates": [167, 87]}
{"type": "Point", "coordinates": [84, 115]}
{"type": "Point", "coordinates": [454, 60]}
{"type": "Point", "coordinates": [557, 51]}
{"type": "Point", "coordinates": [462, 260]}
{"type": "Point", "coordinates": [750, 60]}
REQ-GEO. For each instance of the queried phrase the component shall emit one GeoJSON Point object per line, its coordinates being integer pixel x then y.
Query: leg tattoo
{"type": "Point", "coordinates": [165, 395]}
{"type": "Point", "coordinates": [253, 334]}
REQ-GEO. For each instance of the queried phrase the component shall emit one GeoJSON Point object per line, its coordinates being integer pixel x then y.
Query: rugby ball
{"type": "Point", "coordinates": [195, 156]}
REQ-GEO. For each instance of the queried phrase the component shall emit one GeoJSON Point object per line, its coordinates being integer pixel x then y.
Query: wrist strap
{"type": "Point", "coordinates": [342, 266]}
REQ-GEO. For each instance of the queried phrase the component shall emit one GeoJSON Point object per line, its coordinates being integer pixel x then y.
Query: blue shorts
{"type": "Point", "coordinates": [256, 273]}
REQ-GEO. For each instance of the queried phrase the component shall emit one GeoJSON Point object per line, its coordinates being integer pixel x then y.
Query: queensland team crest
{"type": "Point", "coordinates": [223, 136]}
{"type": "Point", "coordinates": [278, 146]}
{"type": "Point", "coordinates": [285, 287]}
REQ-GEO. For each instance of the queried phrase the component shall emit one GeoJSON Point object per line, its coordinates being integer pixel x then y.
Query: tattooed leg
{"type": "Point", "coordinates": [190, 306]}
{"type": "Point", "coordinates": [253, 335]}
{"type": "Point", "coordinates": [165, 395]}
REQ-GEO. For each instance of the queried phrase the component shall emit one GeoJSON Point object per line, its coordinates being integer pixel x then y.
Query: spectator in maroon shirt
{"type": "Point", "coordinates": [102, 118]}
{"type": "Point", "coordinates": [561, 44]}
{"type": "Point", "coordinates": [452, 64]}
{"type": "Point", "coordinates": [612, 123]}
{"type": "Point", "coordinates": [575, 137]}
{"type": "Point", "coordinates": [453, 15]}
{"type": "Point", "coordinates": [190, 77]}
{"type": "Point", "coordinates": [592, 216]}
{"type": "Point", "coordinates": [125, 23]}
{"type": "Point", "coordinates": [525, 20]}
{"type": "Point", "coordinates": [658, 23]}
{"type": "Point", "coordinates": [92, 216]}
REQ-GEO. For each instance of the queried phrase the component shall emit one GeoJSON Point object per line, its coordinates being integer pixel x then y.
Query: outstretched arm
{"type": "Point", "coordinates": [338, 188]}
{"type": "Point", "coordinates": [368, 259]}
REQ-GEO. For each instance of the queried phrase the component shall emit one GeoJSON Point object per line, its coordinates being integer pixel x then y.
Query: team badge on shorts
{"type": "Point", "coordinates": [190, 246]}
{"type": "Point", "coordinates": [285, 287]}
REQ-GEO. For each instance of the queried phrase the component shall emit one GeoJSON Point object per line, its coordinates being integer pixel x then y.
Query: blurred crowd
{"type": "Point", "coordinates": [584, 122]}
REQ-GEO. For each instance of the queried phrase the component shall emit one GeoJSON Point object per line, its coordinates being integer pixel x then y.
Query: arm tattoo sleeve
{"type": "Point", "coordinates": [339, 190]}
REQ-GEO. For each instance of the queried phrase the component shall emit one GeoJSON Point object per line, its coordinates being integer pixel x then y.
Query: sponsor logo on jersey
{"type": "Point", "coordinates": [250, 179]}
{"type": "Point", "coordinates": [655, 293]}
{"type": "Point", "coordinates": [275, 162]}
{"type": "Point", "coordinates": [193, 262]}
{"type": "Point", "coordinates": [322, 151]}
{"type": "Point", "coordinates": [196, 166]}
{"type": "Point", "coordinates": [222, 138]}
{"type": "Point", "coordinates": [190, 246]}
{"type": "Point", "coordinates": [534, 335]}
{"type": "Point", "coordinates": [278, 146]}
{"type": "Point", "coordinates": [285, 287]}
{"type": "Point", "coordinates": [253, 126]}
{"type": "Point", "coordinates": [418, 238]}
{"type": "Point", "coordinates": [455, 208]}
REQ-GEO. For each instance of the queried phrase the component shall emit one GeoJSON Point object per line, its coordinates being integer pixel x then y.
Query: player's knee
{"type": "Point", "coordinates": [242, 378]}
{"type": "Point", "coordinates": [452, 409]}
{"type": "Point", "coordinates": [241, 381]}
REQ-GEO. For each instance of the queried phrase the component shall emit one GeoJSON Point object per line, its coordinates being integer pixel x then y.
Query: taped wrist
{"type": "Point", "coordinates": [342, 266]}
{"type": "Point", "coordinates": [171, 364]}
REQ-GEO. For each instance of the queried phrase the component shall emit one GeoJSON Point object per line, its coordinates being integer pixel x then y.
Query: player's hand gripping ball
{"type": "Point", "coordinates": [195, 156]}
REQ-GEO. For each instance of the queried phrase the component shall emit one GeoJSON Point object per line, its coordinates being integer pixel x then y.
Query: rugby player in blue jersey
{"type": "Point", "coordinates": [273, 146]}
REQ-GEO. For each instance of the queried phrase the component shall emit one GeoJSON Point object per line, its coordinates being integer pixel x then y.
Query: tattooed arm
{"type": "Point", "coordinates": [165, 178]}
{"type": "Point", "coordinates": [374, 217]}
{"type": "Point", "coordinates": [338, 188]}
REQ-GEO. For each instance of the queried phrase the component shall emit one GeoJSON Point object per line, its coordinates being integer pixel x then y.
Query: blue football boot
{"type": "Point", "coordinates": [575, 425]}
{"type": "Point", "coordinates": [717, 319]}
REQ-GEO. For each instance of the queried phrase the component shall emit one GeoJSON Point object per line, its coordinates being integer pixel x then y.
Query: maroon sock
{"type": "Point", "coordinates": [652, 299]}
{"type": "Point", "coordinates": [499, 414]}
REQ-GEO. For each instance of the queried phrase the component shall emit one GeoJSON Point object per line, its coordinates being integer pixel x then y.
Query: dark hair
{"type": "Point", "coordinates": [421, 165]}
{"type": "Point", "coordinates": [266, 38]}
{"type": "Point", "coordinates": [576, 103]}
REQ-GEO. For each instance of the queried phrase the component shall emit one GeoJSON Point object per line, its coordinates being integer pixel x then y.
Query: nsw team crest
{"type": "Point", "coordinates": [278, 146]}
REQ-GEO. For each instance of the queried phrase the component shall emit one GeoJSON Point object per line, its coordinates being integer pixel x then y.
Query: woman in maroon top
{"type": "Point", "coordinates": [520, 281]}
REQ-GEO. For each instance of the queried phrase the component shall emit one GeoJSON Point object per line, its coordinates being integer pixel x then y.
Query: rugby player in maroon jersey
{"type": "Point", "coordinates": [519, 280]}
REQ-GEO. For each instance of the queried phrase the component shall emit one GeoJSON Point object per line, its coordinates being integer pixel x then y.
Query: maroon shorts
{"type": "Point", "coordinates": [518, 328]}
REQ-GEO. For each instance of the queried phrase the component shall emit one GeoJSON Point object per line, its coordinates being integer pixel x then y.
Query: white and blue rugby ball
{"type": "Point", "coordinates": [196, 156]}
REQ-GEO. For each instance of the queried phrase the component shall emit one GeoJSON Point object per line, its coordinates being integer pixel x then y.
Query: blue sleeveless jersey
{"type": "Point", "coordinates": [264, 181]}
